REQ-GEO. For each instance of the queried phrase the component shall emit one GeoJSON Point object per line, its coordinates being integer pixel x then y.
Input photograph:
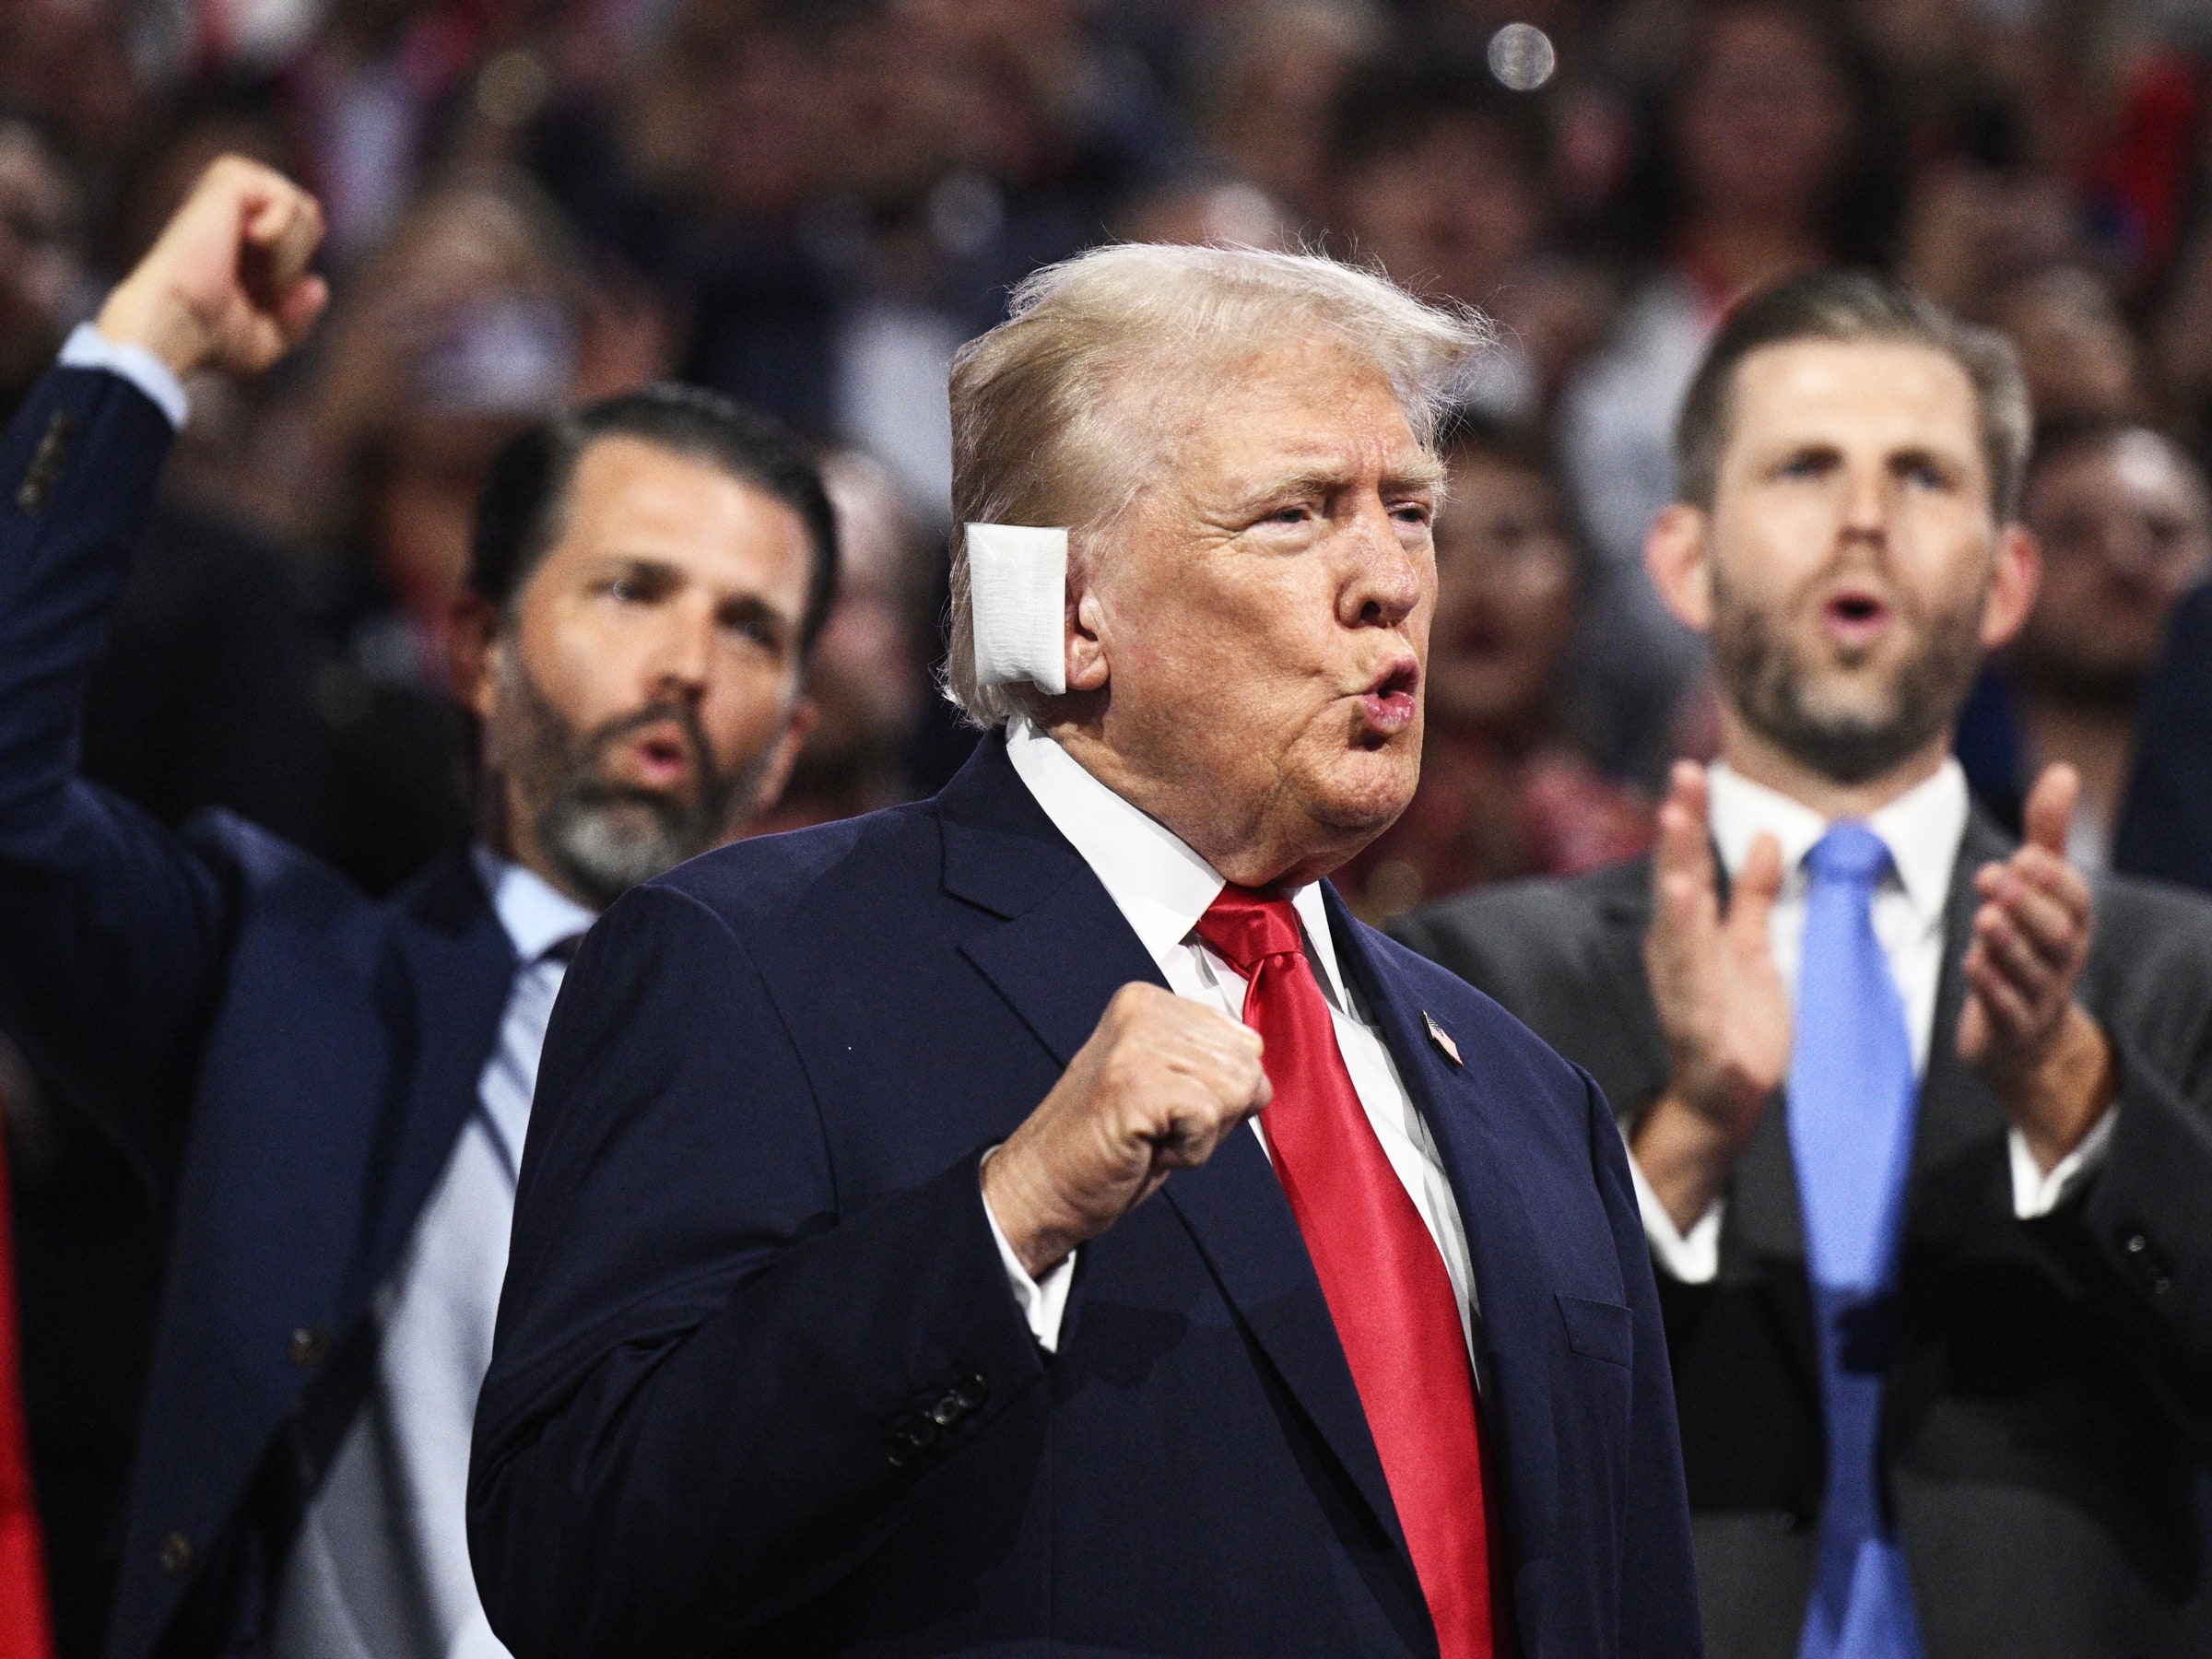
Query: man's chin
{"type": "Point", "coordinates": [1365, 793]}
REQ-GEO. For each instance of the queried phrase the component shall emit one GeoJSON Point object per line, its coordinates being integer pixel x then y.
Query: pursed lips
{"type": "Point", "coordinates": [1391, 700]}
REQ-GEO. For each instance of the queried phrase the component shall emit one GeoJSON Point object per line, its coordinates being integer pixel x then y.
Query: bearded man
{"type": "Point", "coordinates": [1921, 1121]}
{"type": "Point", "coordinates": [328, 1094]}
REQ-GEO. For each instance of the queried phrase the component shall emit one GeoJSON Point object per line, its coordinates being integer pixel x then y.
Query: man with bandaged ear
{"type": "Point", "coordinates": [1041, 1217]}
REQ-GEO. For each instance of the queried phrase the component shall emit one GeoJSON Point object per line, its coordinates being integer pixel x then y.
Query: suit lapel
{"type": "Point", "coordinates": [1063, 952]}
{"type": "Point", "coordinates": [460, 967]}
{"type": "Point", "coordinates": [1465, 1115]}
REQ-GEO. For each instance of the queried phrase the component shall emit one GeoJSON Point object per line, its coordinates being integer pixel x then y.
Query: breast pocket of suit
{"type": "Point", "coordinates": [1594, 1409]}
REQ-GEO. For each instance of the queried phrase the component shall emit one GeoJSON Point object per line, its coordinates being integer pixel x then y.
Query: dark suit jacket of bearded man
{"type": "Point", "coordinates": [2047, 1420]}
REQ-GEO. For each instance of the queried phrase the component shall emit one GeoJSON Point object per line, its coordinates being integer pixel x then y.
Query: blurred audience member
{"type": "Point", "coordinates": [467, 325]}
{"type": "Point", "coordinates": [1436, 171]}
{"type": "Point", "coordinates": [368, 93]}
{"type": "Point", "coordinates": [1506, 789]}
{"type": "Point", "coordinates": [869, 676]}
{"type": "Point", "coordinates": [68, 63]}
{"type": "Point", "coordinates": [1764, 161]}
{"type": "Point", "coordinates": [1767, 158]}
{"type": "Point", "coordinates": [1273, 76]}
{"type": "Point", "coordinates": [2125, 525]}
{"type": "Point", "coordinates": [2074, 346]}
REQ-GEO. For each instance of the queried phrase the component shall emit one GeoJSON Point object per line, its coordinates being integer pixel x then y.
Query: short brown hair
{"type": "Point", "coordinates": [1847, 305]}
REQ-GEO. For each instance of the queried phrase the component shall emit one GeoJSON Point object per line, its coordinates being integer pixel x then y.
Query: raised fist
{"type": "Point", "coordinates": [1160, 1083]}
{"type": "Point", "coordinates": [225, 285]}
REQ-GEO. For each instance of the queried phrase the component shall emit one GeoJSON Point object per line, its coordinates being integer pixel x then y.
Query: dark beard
{"type": "Point", "coordinates": [603, 837]}
{"type": "Point", "coordinates": [1762, 677]}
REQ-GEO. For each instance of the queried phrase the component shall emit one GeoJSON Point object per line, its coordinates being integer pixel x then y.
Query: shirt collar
{"type": "Point", "coordinates": [1153, 878]}
{"type": "Point", "coordinates": [536, 913]}
{"type": "Point", "coordinates": [1923, 828]}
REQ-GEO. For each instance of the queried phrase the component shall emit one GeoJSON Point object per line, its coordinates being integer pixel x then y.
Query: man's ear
{"type": "Point", "coordinates": [784, 754]}
{"type": "Point", "coordinates": [1088, 669]}
{"type": "Point", "coordinates": [1677, 556]}
{"type": "Point", "coordinates": [472, 633]}
{"type": "Point", "coordinates": [2016, 576]}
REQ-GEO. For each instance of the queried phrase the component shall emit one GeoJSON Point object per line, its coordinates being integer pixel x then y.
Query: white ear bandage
{"type": "Point", "coordinates": [1018, 594]}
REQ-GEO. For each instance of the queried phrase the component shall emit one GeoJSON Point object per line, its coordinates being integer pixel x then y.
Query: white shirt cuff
{"type": "Point", "coordinates": [2035, 1194]}
{"type": "Point", "coordinates": [1043, 1302]}
{"type": "Point", "coordinates": [1692, 1257]}
{"type": "Point", "coordinates": [86, 347]}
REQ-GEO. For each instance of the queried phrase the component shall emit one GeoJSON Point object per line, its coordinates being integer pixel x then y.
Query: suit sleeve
{"type": "Point", "coordinates": [715, 1390]}
{"type": "Point", "coordinates": [111, 930]}
{"type": "Point", "coordinates": [2140, 1241]}
{"type": "Point", "coordinates": [1658, 1599]}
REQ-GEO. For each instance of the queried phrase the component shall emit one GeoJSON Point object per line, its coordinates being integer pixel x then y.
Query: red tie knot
{"type": "Point", "coordinates": [1244, 927]}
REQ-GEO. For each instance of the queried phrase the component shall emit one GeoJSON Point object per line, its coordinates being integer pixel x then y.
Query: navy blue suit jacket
{"type": "Point", "coordinates": [760, 1385]}
{"type": "Point", "coordinates": [287, 1062]}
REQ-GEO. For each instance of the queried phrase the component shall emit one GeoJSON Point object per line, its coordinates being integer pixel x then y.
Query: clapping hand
{"type": "Point", "coordinates": [1719, 999]}
{"type": "Point", "coordinates": [2045, 1059]}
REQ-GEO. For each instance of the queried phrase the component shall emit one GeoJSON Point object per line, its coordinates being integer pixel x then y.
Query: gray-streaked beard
{"type": "Point", "coordinates": [603, 837]}
{"type": "Point", "coordinates": [1768, 682]}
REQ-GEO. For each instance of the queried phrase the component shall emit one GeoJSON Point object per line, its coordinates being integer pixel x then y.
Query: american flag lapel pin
{"type": "Point", "coordinates": [1441, 1038]}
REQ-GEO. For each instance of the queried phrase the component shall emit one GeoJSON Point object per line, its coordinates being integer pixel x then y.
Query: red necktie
{"type": "Point", "coordinates": [23, 1633]}
{"type": "Point", "coordinates": [1395, 1312]}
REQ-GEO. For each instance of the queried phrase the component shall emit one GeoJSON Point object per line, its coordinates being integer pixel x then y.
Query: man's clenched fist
{"type": "Point", "coordinates": [226, 285]}
{"type": "Point", "coordinates": [1160, 1083]}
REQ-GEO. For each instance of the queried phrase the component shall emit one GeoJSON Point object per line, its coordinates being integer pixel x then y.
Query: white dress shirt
{"type": "Point", "coordinates": [1162, 888]}
{"type": "Point", "coordinates": [380, 1569]}
{"type": "Point", "coordinates": [86, 347]}
{"type": "Point", "coordinates": [1923, 828]}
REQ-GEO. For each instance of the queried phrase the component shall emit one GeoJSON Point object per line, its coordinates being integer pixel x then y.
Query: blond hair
{"type": "Point", "coordinates": [1048, 424]}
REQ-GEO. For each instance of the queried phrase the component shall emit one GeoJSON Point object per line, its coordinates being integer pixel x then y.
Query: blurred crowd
{"type": "Point", "coordinates": [810, 204]}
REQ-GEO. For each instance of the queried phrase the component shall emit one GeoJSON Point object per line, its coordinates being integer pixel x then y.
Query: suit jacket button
{"type": "Point", "coordinates": [310, 1345]}
{"type": "Point", "coordinates": [946, 1412]}
{"type": "Point", "coordinates": [176, 1555]}
{"type": "Point", "coordinates": [970, 1391]}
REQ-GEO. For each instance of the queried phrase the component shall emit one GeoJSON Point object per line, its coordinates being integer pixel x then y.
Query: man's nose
{"type": "Point", "coordinates": [682, 656]}
{"type": "Point", "coordinates": [1867, 493]}
{"type": "Point", "coordinates": [1386, 583]}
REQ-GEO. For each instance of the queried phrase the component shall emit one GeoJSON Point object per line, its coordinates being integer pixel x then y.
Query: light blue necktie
{"type": "Point", "coordinates": [1853, 1098]}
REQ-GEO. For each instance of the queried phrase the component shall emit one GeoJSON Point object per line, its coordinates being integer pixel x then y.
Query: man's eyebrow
{"type": "Point", "coordinates": [1929, 455]}
{"type": "Point", "coordinates": [1424, 472]}
{"type": "Point", "coordinates": [754, 606]}
{"type": "Point", "coordinates": [638, 564]}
